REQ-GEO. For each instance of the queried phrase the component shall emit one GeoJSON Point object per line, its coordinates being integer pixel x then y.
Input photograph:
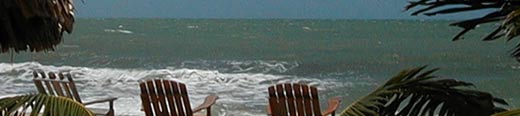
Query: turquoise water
{"type": "Point", "coordinates": [239, 59]}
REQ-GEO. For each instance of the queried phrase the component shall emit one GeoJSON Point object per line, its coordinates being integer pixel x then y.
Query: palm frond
{"type": "Point", "coordinates": [508, 113]}
{"type": "Point", "coordinates": [417, 93]}
{"type": "Point", "coordinates": [506, 13]}
{"type": "Point", "coordinates": [41, 104]}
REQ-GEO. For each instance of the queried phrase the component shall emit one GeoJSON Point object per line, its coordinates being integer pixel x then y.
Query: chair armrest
{"type": "Point", "coordinates": [210, 100]}
{"type": "Point", "coordinates": [100, 101]}
{"type": "Point", "coordinates": [333, 105]}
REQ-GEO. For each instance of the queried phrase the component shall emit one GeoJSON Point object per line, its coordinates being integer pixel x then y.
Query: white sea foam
{"type": "Point", "coordinates": [192, 26]}
{"type": "Point", "coordinates": [253, 66]}
{"type": "Point", "coordinates": [306, 28]}
{"type": "Point", "coordinates": [239, 93]}
{"type": "Point", "coordinates": [110, 30]}
{"type": "Point", "coordinates": [119, 31]}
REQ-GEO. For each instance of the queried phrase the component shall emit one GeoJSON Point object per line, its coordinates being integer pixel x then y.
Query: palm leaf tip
{"type": "Point", "coordinates": [515, 112]}
{"type": "Point", "coordinates": [417, 92]}
{"type": "Point", "coordinates": [505, 14]}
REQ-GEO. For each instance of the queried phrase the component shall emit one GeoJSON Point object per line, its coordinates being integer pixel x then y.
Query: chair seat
{"type": "Point", "coordinates": [99, 111]}
{"type": "Point", "coordinates": [199, 114]}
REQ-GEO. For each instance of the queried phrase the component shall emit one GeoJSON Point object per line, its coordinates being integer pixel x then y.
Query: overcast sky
{"type": "Point", "coordinates": [250, 9]}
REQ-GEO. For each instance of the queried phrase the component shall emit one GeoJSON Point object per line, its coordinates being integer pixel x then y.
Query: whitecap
{"type": "Point", "coordinates": [118, 31]}
{"type": "Point", "coordinates": [124, 31]}
{"type": "Point", "coordinates": [307, 28]}
{"type": "Point", "coordinates": [192, 26]}
{"type": "Point", "coordinates": [109, 30]}
{"type": "Point", "coordinates": [239, 93]}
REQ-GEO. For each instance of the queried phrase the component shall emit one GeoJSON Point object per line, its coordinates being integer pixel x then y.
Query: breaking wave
{"type": "Point", "coordinates": [248, 66]}
{"type": "Point", "coordinates": [239, 93]}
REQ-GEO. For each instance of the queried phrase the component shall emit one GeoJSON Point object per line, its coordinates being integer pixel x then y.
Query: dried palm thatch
{"type": "Point", "coordinates": [34, 25]}
{"type": "Point", "coordinates": [504, 12]}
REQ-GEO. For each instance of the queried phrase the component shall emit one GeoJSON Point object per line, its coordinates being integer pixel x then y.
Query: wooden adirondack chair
{"type": "Point", "coordinates": [62, 85]}
{"type": "Point", "coordinates": [170, 98]}
{"type": "Point", "coordinates": [297, 100]}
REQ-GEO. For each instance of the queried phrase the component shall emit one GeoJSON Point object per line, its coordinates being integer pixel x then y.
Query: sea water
{"type": "Point", "coordinates": [237, 59]}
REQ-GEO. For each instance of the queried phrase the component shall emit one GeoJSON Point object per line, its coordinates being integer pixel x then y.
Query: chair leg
{"type": "Point", "coordinates": [208, 111]}
{"type": "Point", "coordinates": [110, 113]}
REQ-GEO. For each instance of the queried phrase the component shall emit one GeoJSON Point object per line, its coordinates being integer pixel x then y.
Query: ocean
{"type": "Point", "coordinates": [237, 59]}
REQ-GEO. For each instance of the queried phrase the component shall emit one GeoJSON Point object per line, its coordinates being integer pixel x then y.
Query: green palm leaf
{"type": "Point", "coordinates": [506, 13]}
{"type": "Point", "coordinates": [50, 105]}
{"type": "Point", "coordinates": [416, 93]}
{"type": "Point", "coordinates": [508, 113]}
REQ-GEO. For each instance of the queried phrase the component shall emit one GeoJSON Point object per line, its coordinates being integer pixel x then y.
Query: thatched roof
{"type": "Point", "coordinates": [34, 25]}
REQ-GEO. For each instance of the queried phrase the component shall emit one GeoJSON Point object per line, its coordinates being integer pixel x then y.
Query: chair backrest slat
{"type": "Point", "coordinates": [281, 99]}
{"type": "Point", "coordinates": [178, 101]}
{"type": "Point", "coordinates": [315, 101]}
{"type": "Point", "coordinates": [38, 83]}
{"type": "Point", "coordinates": [307, 100]}
{"type": "Point", "coordinates": [47, 84]}
{"type": "Point", "coordinates": [164, 97]}
{"type": "Point", "coordinates": [298, 99]}
{"type": "Point", "coordinates": [49, 89]}
{"type": "Point", "coordinates": [153, 97]}
{"type": "Point", "coordinates": [73, 88]}
{"type": "Point", "coordinates": [290, 99]}
{"type": "Point", "coordinates": [54, 84]}
{"type": "Point", "coordinates": [145, 98]}
{"type": "Point", "coordinates": [185, 99]}
{"type": "Point", "coordinates": [65, 86]}
{"type": "Point", "coordinates": [294, 100]}
{"type": "Point", "coordinates": [273, 101]}
{"type": "Point", "coordinates": [169, 96]}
